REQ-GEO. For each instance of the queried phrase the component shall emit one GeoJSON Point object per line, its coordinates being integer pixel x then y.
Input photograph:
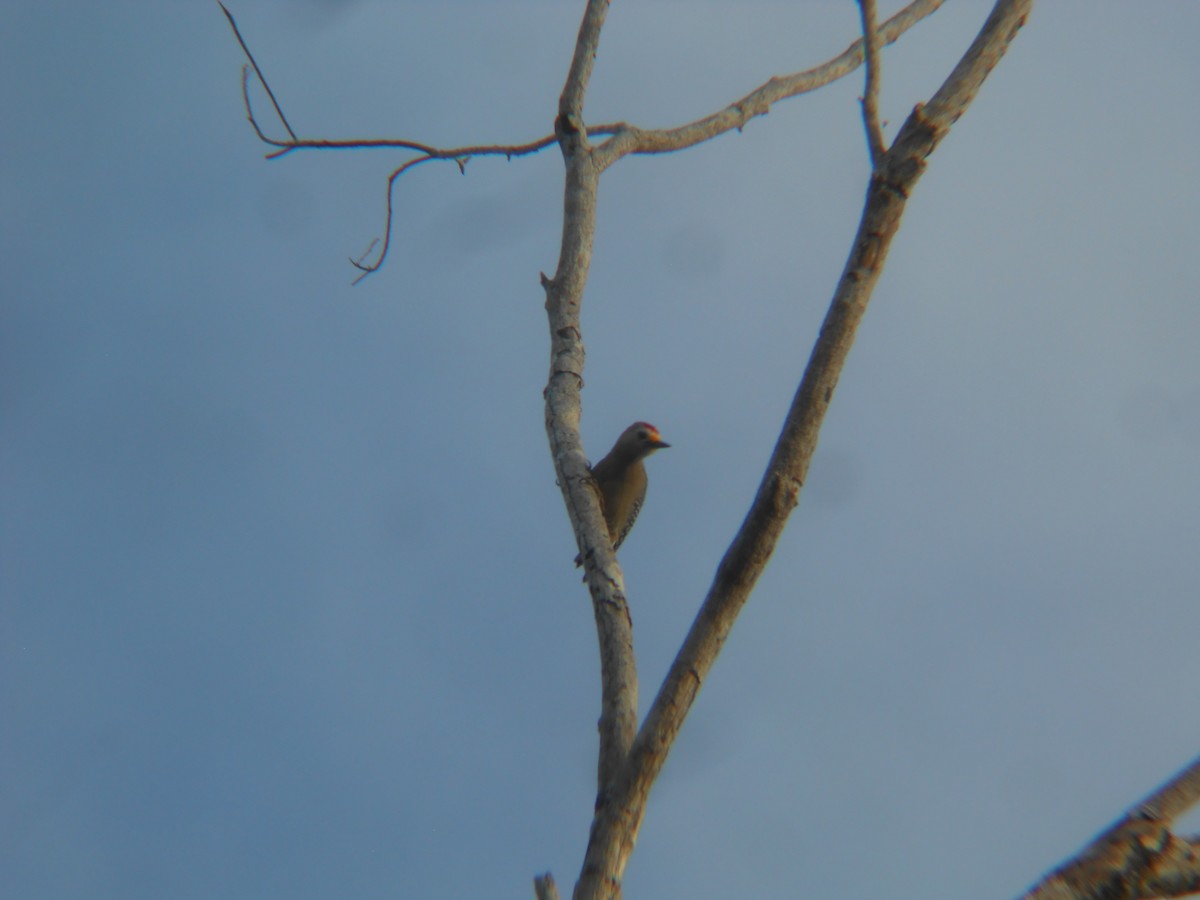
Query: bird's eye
{"type": "Point", "coordinates": [642, 434]}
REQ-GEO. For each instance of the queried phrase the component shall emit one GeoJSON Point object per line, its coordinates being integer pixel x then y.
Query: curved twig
{"type": "Point", "coordinates": [367, 268]}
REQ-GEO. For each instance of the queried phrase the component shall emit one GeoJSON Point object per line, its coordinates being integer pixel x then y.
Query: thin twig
{"type": "Point", "coordinates": [870, 98]}
{"type": "Point", "coordinates": [257, 70]}
{"type": "Point", "coordinates": [505, 150]}
{"type": "Point", "coordinates": [368, 268]}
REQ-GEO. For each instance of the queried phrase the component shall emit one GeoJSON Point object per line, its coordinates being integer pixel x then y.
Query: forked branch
{"type": "Point", "coordinates": [621, 808]}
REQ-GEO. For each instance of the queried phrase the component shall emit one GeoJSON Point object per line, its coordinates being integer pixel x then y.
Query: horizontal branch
{"type": "Point", "coordinates": [292, 142]}
{"type": "Point", "coordinates": [508, 151]}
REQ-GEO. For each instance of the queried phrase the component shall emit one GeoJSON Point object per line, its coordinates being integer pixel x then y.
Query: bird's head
{"type": "Point", "coordinates": [639, 440]}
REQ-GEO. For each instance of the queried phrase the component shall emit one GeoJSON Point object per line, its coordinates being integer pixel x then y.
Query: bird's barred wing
{"type": "Point", "coordinates": [633, 514]}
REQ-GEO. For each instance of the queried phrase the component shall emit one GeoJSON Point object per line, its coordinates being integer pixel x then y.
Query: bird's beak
{"type": "Point", "coordinates": [654, 438]}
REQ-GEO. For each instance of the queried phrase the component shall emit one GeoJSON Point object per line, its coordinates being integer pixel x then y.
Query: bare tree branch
{"type": "Point", "coordinates": [564, 297]}
{"type": "Point", "coordinates": [1138, 857]}
{"type": "Point", "coordinates": [630, 139]}
{"type": "Point", "coordinates": [615, 827]}
{"type": "Point", "coordinates": [870, 98]}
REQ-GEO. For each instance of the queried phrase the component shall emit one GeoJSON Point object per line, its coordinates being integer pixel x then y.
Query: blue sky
{"type": "Point", "coordinates": [286, 597]}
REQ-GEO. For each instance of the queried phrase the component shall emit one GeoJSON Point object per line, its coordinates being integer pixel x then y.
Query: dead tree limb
{"type": "Point", "coordinates": [621, 804]}
{"type": "Point", "coordinates": [1137, 857]}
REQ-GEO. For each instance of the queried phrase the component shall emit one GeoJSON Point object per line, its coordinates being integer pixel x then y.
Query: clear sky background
{"type": "Point", "coordinates": [286, 598]}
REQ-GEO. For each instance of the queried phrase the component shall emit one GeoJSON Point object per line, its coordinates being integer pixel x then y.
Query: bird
{"type": "Point", "coordinates": [621, 479]}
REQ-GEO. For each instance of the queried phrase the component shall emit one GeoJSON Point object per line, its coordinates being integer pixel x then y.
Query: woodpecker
{"type": "Point", "coordinates": [621, 479]}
